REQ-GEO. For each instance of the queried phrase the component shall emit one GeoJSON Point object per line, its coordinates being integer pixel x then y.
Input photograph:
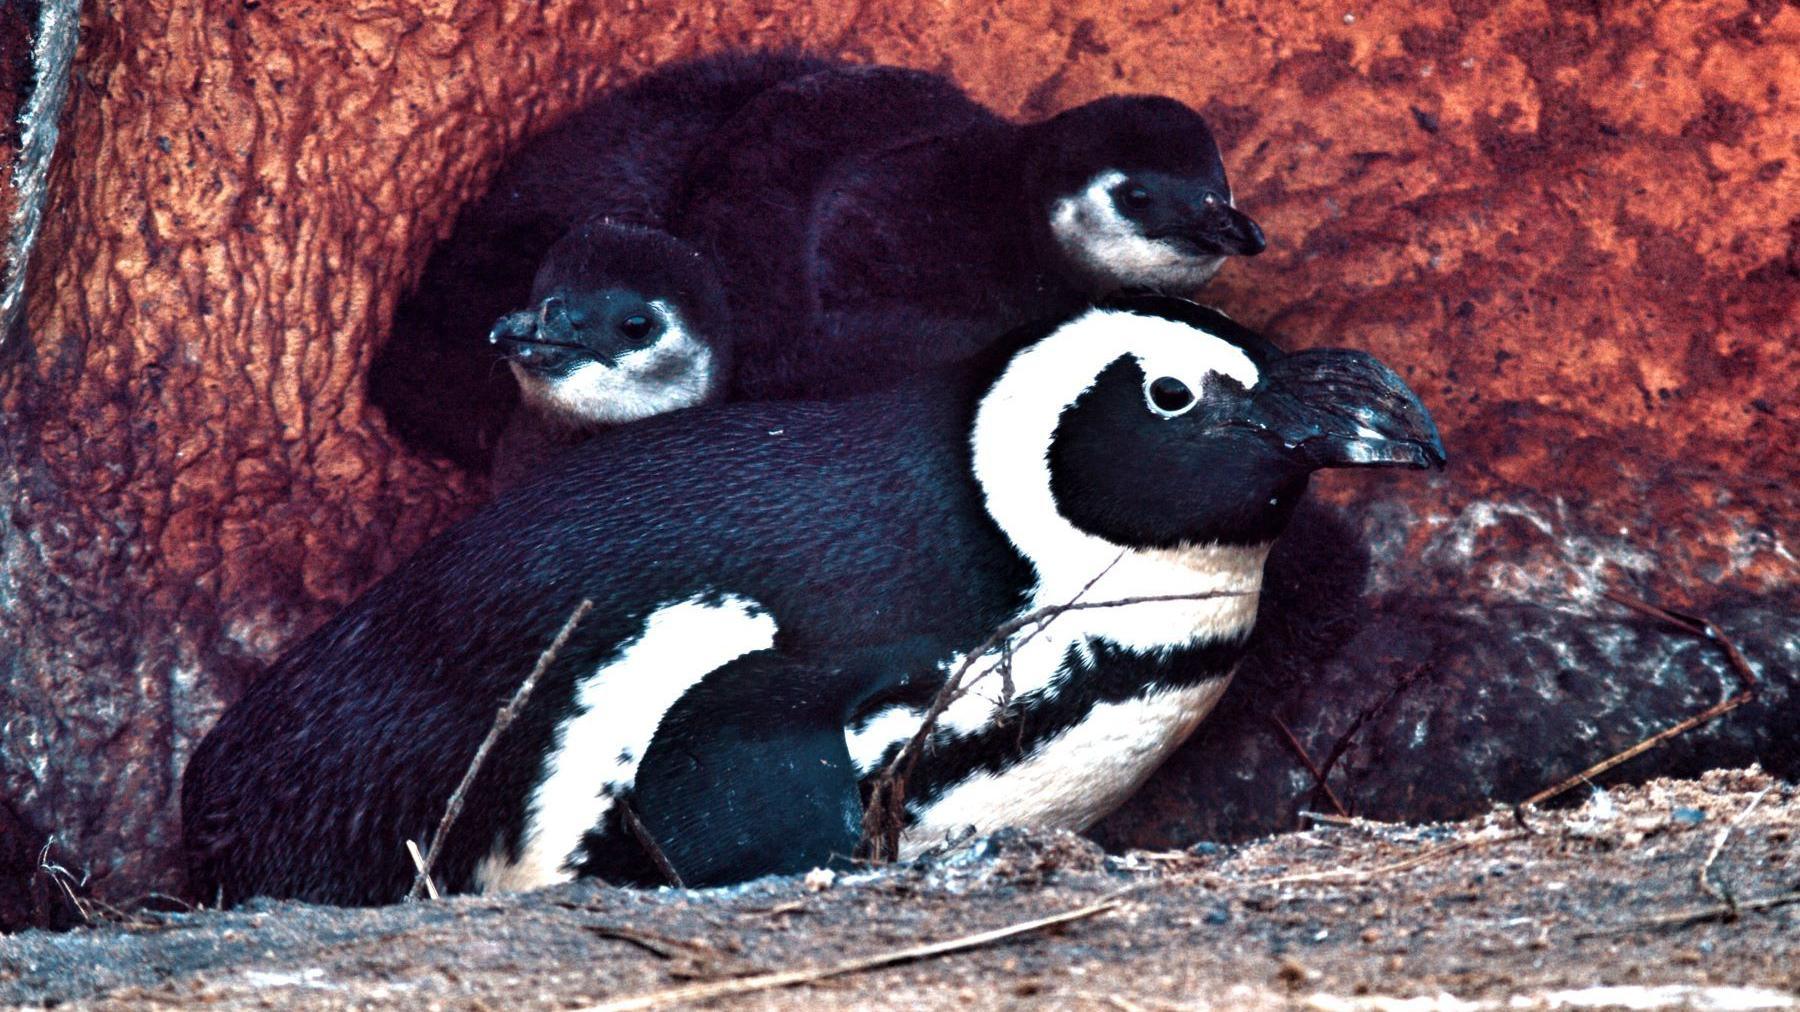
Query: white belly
{"type": "Point", "coordinates": [1072, 780]}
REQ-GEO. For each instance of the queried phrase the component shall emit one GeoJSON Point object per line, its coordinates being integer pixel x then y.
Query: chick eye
{"type": "Point", "coordinates": [635, 327]}
{"type": "Point", "coordinates": [1137, 196]}
{"type": "Point", "coordinates": [1168, 395]}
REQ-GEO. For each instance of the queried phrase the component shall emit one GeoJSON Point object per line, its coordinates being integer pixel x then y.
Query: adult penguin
{"type": "Point", "coordinates": [780, 589]}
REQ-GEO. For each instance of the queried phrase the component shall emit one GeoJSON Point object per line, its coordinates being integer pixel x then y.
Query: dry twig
{"type": "Point", "coordinates": [692, 993]}
{"type": "Point", "coordinates": [1714, 889]}
{"type": "Point", "coordinates": [419, 868]}
{"type": "Point", "coordinates": [502, 721]}
{"type": "Point", "coordinates": [1348, 821]}
{"type": "Point", "coordinates": [1312, 767]}
{"type": "Point", "coordinates": [696, 958]}
{"type": "Point", "coordinates": [884, 817]}
{"type": "Point", "coordinates": [1698, 627]}
{"type": "Point", "coordinates": [132, 916]}
{"type": "Point", "coordinates": [651, 848]}
{"type": "Point", "coordinates": [1366, 874]}
{"type": "Point", "coordinates": [1683, 918]}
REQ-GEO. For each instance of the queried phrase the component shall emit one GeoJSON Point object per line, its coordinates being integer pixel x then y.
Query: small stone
{"type": "Point", "coordinates": [1349, 19]}
{"type": "Point", "coordinates": [1370, 936]}
{"type": "Point", "coordinates": [819, 879]}
{"type": "Point", "coordinates": [1294, 973]}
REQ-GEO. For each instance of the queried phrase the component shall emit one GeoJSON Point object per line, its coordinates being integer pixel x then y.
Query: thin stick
{"type": "Point", "coordinates": [1362, 874]}
{"type": "Point", "coordinates": [703, 958]}
{"type": "Point", "coordinates": [648, 842]}
{"type": "Point", "coordinates": [788, 978]}
{"type": "Point", "coordinates": [1007, 649]}
{"type": "Point", "coordinates": [1717, 890]}
{"type": "Point", "coordinates": [1682, 918]}
{"type": "Point", "coordinates": [1699, 627]}
{"type": "Point", "coordinates": [502, 721]}
{"type": "Point", "coordinates": [1343, 743]}
{"type": "Point", "coordinates": [883, 818]}
{"type": "Point", "coordinates": [412, 850]}
{"type": "Point", "coordinates": [1318, 777]}
{"type": "Point", "coordinates": [1347, 821]}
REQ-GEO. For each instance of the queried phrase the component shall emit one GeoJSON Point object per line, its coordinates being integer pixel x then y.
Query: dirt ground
{"type": "Point", "coordinates": [1597, 905]}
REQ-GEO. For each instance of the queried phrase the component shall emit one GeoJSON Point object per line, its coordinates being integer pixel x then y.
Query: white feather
{"type": "Point", "coordinates": [1076, 778]}
{"type": "Point", "coordinates": [1111, 250]}
{"type": "Point", "coordinates": [596, 750]}
{"type": "Point", "coordinates": [640, 385]}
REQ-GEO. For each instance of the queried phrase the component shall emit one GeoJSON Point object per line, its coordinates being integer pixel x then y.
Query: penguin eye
{"type": "Point", "coordinates": [635, 327]}
{"type": "Point", "coordinates": [1136, 196]}
{"type": "Point", "coordinates": [1168, 396]}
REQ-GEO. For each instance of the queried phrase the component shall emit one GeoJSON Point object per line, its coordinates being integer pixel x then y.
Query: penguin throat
{"type": "Point", "coordinates": [1104, 251]}
{"type": "Point", "coordinates": [1179, 596]}
{"type": "Point", "coordinates": [678, 371]}
{"type": "Point", "coordinates": [1014, 427]}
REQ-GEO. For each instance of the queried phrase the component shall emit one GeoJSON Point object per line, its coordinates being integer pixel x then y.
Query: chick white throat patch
{"type": "Point", "coordinates": [677, 371]}
{"type": "Point", "coordinates": [1113, 253]}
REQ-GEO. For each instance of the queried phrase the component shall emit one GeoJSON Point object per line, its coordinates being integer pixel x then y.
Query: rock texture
{"type": "Point", "coordinates": [1575, 227]}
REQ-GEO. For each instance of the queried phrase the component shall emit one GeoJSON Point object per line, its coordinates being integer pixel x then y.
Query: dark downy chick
{"type": "Point", "coordinates": [870, 222]}
{"type": "Point", "coordinates": [625, 323]}
{"type": "Point", "coordinates": [620, 157]}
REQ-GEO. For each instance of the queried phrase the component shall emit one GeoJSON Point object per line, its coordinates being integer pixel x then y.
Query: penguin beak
{"type": "Point", "coordinates": [1235, 232]}
{"type": "Point", "coordinates": [1333, 407]}
{"type": "Point", "coordinates": [543, 337]}
{"type": "Point", "coordinates": [1215, 228]}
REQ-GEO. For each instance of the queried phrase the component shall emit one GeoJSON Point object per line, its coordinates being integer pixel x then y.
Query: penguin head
{"type": "Point", "coordinates": [625, 323]}
{"type": "Point", "coordinates": [1151, 423]}
{"type": "Point", "coordinates": [1132, 194]}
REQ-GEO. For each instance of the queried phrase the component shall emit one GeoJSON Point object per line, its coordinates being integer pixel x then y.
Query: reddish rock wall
{"type": "Point", "coordinates": [1575, 228]}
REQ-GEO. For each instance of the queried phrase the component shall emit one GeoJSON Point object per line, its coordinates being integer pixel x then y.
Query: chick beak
{"type": "Point", "coordinates": [1333, 407]}
{"type": "Point", "coordinates": [545, 336]}
{"type": "Point", "coordinates": [1237, 233]}
{"type": "Point", "coordinates": [1215, 227]}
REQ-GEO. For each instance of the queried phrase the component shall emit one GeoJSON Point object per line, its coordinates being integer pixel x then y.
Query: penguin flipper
{"type": "Point", "coordinates": [749, 773]}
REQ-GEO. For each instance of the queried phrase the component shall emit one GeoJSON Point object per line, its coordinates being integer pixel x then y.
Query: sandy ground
{"type": "Point", "coordinates": [1599, 905]}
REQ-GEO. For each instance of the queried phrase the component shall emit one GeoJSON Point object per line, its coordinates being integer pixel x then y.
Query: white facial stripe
{"type": "Point", "coordinates": [675, 372]}
{"type": "Point", "coordinates": [1109, 249]}
{"type": "Point", "coordinates": [1013, 431]}
{"type": "Point", "coordinates": [597, 750]}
